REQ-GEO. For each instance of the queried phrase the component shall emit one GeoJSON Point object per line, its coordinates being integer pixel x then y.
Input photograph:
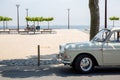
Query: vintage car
{"type": "Point", "coordinates": [102, 50]}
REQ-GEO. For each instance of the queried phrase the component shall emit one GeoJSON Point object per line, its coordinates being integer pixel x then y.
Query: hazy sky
{"type": "Point", "coordinates": [79, 11]}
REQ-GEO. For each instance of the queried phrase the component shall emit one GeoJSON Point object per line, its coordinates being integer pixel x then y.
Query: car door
{"type": "Point", "coordinates": [111, 50]}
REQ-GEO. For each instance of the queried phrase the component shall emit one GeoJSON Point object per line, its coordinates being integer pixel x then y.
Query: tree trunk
{"type": "Point", "coordinates": [95, 17]}
{"type": "Point", "coordinates": [48, 25]}
{"type": "Point", "coordinates": [4, 25]}
{"type": "Point", "coordinates": [38, 23]}
{"type": "Point", "coordinates": [34, 27]}
{"type": "Point", "coordinates": [113, 23]}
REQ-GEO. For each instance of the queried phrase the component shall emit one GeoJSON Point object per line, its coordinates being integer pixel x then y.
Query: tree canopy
{"type": "Point", "coordinates": [114, 18]}
{"type": "Point", "coordinates": [39, 19]}
{"type": "Point", "coordinates": [5, 18]}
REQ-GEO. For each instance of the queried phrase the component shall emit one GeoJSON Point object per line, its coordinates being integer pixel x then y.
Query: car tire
{"type": "Point", "coordinates": [84, 64]}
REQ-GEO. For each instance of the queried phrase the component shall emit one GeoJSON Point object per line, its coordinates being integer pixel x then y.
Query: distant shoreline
{"type": "Point", "coordinates": [80, 27]}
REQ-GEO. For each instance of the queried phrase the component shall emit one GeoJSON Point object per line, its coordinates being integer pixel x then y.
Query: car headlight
{"type": "Point", "coordinates": [61, 49]}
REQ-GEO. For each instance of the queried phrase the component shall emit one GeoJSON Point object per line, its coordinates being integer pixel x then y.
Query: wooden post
{"type": "Point", "coordinates": [105, 13]}
{"type": "Point", "coordinates": [38, 55]}
{"type": "Point", "coordinates": [68, 18]}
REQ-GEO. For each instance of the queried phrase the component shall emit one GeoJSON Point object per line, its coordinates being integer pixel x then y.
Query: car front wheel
{"type": "Point", "coordinates": [84, 64]}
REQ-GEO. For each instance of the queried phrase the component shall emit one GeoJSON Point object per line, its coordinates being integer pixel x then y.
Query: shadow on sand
{"type": "Point", "coordinates": [32, 61]}
{"type": "Point", "coordinates": [51, 70]}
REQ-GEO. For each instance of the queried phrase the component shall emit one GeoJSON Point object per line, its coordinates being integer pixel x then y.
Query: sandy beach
{"type": "Point", "coordinates": [17, 46]}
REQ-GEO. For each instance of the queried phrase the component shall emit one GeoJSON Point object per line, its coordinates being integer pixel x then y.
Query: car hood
{"type": "Point", "coordinates": [83, 45]}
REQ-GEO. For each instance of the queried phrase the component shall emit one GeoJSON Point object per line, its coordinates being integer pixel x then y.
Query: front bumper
{"type": "Point", "coordinates": [65, 62]}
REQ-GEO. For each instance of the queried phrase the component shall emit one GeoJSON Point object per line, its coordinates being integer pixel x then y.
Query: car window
{"type": "Point", "coordinates": [101, 36]}
{"type": "Point", "coordinates": [115, 37]}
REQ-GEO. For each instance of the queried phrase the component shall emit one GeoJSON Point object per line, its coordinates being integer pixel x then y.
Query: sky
{"type": "Point", "coordinates": [79, 11]}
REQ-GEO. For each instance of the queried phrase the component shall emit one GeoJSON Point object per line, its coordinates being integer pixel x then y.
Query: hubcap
{"type": "Point", "coordinates": [86, 64]}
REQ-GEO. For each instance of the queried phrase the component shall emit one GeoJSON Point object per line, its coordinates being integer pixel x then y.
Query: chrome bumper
{"type": "Point", "coordinates": [65, 62]}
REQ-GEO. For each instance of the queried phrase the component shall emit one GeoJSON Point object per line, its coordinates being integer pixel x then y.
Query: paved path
{"type": "Point", "coordinates": [55, 72]}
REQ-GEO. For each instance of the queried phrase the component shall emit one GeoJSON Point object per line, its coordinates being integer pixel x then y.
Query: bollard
{"type": "Point", "coordinates": [38, 55]}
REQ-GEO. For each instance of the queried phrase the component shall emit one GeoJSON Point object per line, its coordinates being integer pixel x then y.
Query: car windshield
{"type": "Point", "coordinates": [102, 35]}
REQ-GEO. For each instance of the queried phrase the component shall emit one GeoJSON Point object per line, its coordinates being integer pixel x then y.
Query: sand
{"type": "Point", "coordinates": [17, 46]}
